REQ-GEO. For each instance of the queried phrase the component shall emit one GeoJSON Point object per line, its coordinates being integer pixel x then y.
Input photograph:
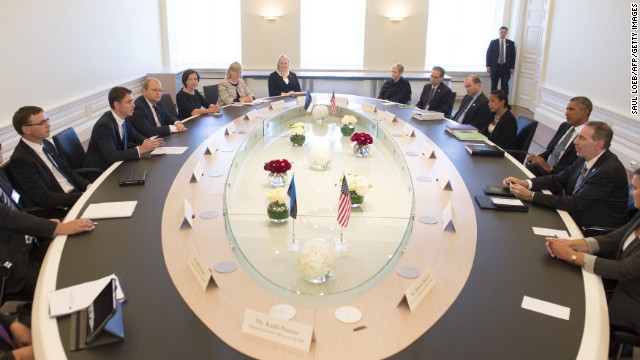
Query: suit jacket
{"type": "Point", "coordinates": [441, 101]}
{"type": "Point", "coordinates": [277, 86]}
{"type": "Point", "coordinates": [144, 122]}
{"type": "Point", "coordinates": [399, 91]}
{"type": "Point", "coordinates": [478, 114]}
{"type": "Point", "coordinates": [14, 225]}
{"type": "Point", "coordinates": [494, 51]}
{"type": "Point", "coordinates": [601, 199]}
{"type": "Point", "coordinates": [624, 266]}
{"type": "Point", "coordinates": [187, 103]}
{"type": "Point", "coordinates": [504, 134]}
{"type": "Point", "coordinates": [568, 157]}
{"type": "Point", "coordinates": [106, 147]}
{"type": "Point", "coordinates": [228, 93]}
{"type": "Point", "coordinates": [37, 184]}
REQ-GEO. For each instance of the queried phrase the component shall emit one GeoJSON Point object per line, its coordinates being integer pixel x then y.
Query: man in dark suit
{"type": "Point", "coordinates": [42, 176]}
{"type": "Point", "coordinates": [436, 96]}
{"type": "Point", "coordinates": [19, 235]}
{"type": "Point", "coordinates": [561, 152]}
{"type": "Point", "coordinates": [501, 60]}
{"type": "Point", "coordinates": [113, 133]}
{"type": "Point", "coordinates": [149, 117]}
{"type": "Point", "coordinates": [593, 190]}
{"type": "Point", "coordinates": [474, 108]}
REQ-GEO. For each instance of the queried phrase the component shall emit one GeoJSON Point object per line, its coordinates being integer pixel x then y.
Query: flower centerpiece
{"type": "Point", "coordinates": [317, 261]}
{"type": "Point", "coordinates": [320, 112]}
{"type": "Point", "coordinates": [359, 186]}
{"type": "Point", "coordinates": [319, 155]}
{"type": "Point", "coordinates": [277, 171]}
{"type": "Point", "coordinates": [348, 125]}
{"type": "Point", "coordinates": [297, 131]}
{"type": "Point", "coordinates": [362, 142]}
{"type": "Point", "coordinates": [277, 209]}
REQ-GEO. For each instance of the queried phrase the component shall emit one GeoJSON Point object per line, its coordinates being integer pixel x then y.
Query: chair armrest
{"type": "Point", "coordinates": [88, 170]}
{"type": "Point", "coordinates": [589, 231]}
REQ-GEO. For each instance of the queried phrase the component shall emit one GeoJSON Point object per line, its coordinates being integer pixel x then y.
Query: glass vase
{"type": "Point", "coordinates": [319, 154]}
{"type": "Point", "coordinates": [297, 140]}
{"type": "Point", "coordinates": [356, 200]}
{"type": "Point", "coordinates": [317, 261]}
{"type": "Point", "coordinates": [277, 179]}
{"type": "Point", "coordinates": [347, 130]}
{"type": "Point", "coordinates": [277, 212]}
{"type": "Point", "coordinates": [361, 150]}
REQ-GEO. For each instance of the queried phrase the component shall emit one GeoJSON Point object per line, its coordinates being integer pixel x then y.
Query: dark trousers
{"type": "Point", "coordinates": [500, 73]}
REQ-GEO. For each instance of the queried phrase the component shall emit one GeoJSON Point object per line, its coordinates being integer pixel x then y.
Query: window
{"type": "Point", "coordinates": [196, 37]}
{"type": "Point", "coordinates": [459, 32]}
{"type": "Point", "coordinates": [332, 34]}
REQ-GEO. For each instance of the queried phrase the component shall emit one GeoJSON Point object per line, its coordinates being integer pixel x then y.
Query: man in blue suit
{"type": "Point", "coordinates": [149, 117]}
{"type": "Point", "coordinates": [501, 60]}
{"type": "Point", "coordinates": [474, 108]}
{"type": "Point", "coordinates": [113, 133]}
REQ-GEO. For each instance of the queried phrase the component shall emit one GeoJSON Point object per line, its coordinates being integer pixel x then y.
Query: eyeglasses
{"type": "Point", "coordinates": [155, 90]}
{"type": "Point", "coordinates": [43, 122]}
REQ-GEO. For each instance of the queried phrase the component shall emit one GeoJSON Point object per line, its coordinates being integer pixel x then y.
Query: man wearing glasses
{"type": "Point", "coordinates": [149, 117]}
{"type": "Point", "coordinates": [42, 176]}
{"type": "Point", "coordinates": [436, 96]}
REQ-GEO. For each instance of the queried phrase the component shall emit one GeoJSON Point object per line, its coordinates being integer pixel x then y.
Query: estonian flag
{"type": "Point", "coordinates": [307, 100]}
{"type": "Point", "coordinates": [293, 203]}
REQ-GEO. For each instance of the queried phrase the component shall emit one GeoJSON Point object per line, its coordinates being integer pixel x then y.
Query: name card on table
{"type": "Point", "coordinates": [277, 105]}
{"type": "Point", "coordinates": [427, 150]}
{"type": "Point", "coordinates": [187, 215]}
{"type": "Point", "coordinates": [253, 114]}
{"type": "Point", "coordinates": [200, 270]}
{"type": "Point", "coordinates": [300, 100]}
{"type": "Point", "coordinates": [370, 108]}
{"type": "Point", "coordinates": [342, 101]}
{"type": "Point", "coordinates": [389, 116]}
{"type": "Point", "coordinates": [211, 148]}
{"type": "Point", "coordinates": [408, 130]}
{"type": "Point", "coordinates": [443, 180]}
{"type": "Point", "coordinates": [230, 129]}
{"type": "Point", "coordinates": [447, 217]}
{"type": "Point", "coordinates": [198, 172]}
{"type": "Point", "coordinates": [418, 289]}
{"type": "Point", "coordinates": [283, 332]}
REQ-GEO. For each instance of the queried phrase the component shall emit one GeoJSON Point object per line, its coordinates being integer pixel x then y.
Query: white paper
{"type": "Point", "coordinates": [545, 307]}
{"type": "Point", "coordinates": [108, 210]}
{"type": "Point", "coordinates": [550, 232]}
{"type": "Point", "coordinates": [169, 150]}
{"type": "Point", "coordinates": [71, 299]}
{"type": "Point", "coordinates": [506, 202]}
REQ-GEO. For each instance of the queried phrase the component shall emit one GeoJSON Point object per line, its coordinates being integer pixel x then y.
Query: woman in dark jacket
{"type": "Point", "coordinates": [504, 128]}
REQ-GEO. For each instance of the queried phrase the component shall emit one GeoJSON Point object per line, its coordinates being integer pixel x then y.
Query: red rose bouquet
{"type": "Point", "coordinates": [278, 166]}
{"type": "Point", "coordinates": [362, 138]}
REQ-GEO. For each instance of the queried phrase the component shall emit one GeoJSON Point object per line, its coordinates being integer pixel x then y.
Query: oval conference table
{"type": "Point", "coordinates": [485, 321]}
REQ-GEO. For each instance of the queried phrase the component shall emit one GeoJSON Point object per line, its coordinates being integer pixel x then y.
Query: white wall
{"type": "Point", "coordinates": [55, 52]}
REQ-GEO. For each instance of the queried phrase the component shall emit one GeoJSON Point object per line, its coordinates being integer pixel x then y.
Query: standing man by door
{"type": "Point", "coordinates": [501, 60]}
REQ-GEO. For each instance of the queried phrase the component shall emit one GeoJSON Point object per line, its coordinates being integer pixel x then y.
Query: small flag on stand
{"type": "Point", "coordinates": [333, 103]}
{"type": "Point", "coordinates": [293, 202]}
{"type": "Point", "coordinates": [344, 205]}
{"type": "Point", "coordinates": [307, 100]}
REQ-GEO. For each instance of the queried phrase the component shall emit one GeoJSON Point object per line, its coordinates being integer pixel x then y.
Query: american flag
{"type": "Point", "coordinates": [333, 103]}
{"type": "Point", "coordinates": [344, 206]}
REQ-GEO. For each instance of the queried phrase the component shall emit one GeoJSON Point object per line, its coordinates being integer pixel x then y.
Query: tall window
{"type": "Point", "coordinates": [206, 33]}
{"type": "Point", "coordinates": [459, 32]}
{"type": "Point", "coordinates": [332, 34]}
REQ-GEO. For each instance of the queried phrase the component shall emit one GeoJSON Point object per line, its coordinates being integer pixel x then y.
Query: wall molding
{"type": "Point", "coordinates": [550, 112]}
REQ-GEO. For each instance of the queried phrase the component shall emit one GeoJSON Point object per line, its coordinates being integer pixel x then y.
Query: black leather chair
{"type": "Point", "coordinates": [167, 104]}
{"type": "Point", "coordinates": [526, 129]}
{"type": "Point", "coordinates": [70, 148]}
{"type": "Point", "coordinates": [625, 338]}
{"type": "Point", "coordinates": [447, 113]}
{"type": "Point", "coordinates": [211, 93]}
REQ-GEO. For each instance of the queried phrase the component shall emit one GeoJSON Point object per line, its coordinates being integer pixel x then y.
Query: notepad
{"type": "Point", "coordinates": [109, 210]}
{"type": "Point", "coordinates": [70, 299]}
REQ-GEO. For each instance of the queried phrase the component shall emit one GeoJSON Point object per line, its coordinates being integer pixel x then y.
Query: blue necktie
{"type": "Point", "coordinates": [124, 135]}
{"type": "Point", "coordinates": [555, 155]}
{"type": "Point", "coordinates": [583, 174]}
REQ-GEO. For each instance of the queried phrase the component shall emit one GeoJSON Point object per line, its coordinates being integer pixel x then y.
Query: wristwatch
{"type": "Point", "coordinates": [574, 257]}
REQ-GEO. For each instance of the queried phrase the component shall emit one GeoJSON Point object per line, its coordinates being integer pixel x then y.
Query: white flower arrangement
{"type": "Point", "coordinates": [297, 128]}
{"type": "Point", "coordinates": [320, 112]}
{"type": "Point", "coordinates": [320, 156]}
{"type": "Point", "coordinates": [316, 260]}
{"type": "Point", "coordinates": [349, 120]}
{"type": "Point", "coordinates": [358, 183]}
{"type": "Point", "coordinates": [278, 195]}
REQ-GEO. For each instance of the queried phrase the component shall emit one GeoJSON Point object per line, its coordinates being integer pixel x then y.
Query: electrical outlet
{"type": "Point", "coordinates": [634, 165]}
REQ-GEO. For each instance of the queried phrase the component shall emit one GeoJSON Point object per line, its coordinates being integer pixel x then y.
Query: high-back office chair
{"type": "Point", "coordinates": [211, 93]}
{"type": "Point", "coordinates": [447, 113]}
{"type": "Point", "coordinates": [168, 105]}
{"type": "Point", "coordinates": [526, 129]}
{"type": "Point", "coordinates": [625, 338]}
{"type": "Point", "coordinates": [70, 148]}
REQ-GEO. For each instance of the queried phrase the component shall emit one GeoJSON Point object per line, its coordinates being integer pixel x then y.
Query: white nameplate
{"type": "Point", "coordinates": [418, 289]}
{"type": "Point", "coordinates": [230, 129]}
{"type": "Point", "coordinates": [200, 270]}
{"type": "Point", "coordinates": [408, 130]}
{"type": "Point", "coordinates": [342, 101]}
{"type": "Point", "coordinates": [197, 173]}
{"type": "Point", "coordinates": [283, 332]}
{"type": "Point", "coordinates": [370, 108]}
{"type": "Point", "coordinates": [447, 217]}
{"type": "Point", "coordinates": [253, 114]}
{"type": "Point", "coordinates": [443, 180]}
{"type": "Point", "coordinates": [187, 215]}
{"type": "Point", "coordinates": [389, 116]}
{"type": "Point", "coordinates": [212, 147]}
{"type": "Point", "coordinates": [264, 113]}
{"type": "Point", "coordinates": [427, 150]}
{"type": "Point", "coordinates": [277, 105]}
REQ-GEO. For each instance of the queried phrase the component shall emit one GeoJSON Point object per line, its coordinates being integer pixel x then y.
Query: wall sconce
{"type": "Point", "coordinates": [395, 18]}
{"type": "Point", "coordinates": [271, 17]}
